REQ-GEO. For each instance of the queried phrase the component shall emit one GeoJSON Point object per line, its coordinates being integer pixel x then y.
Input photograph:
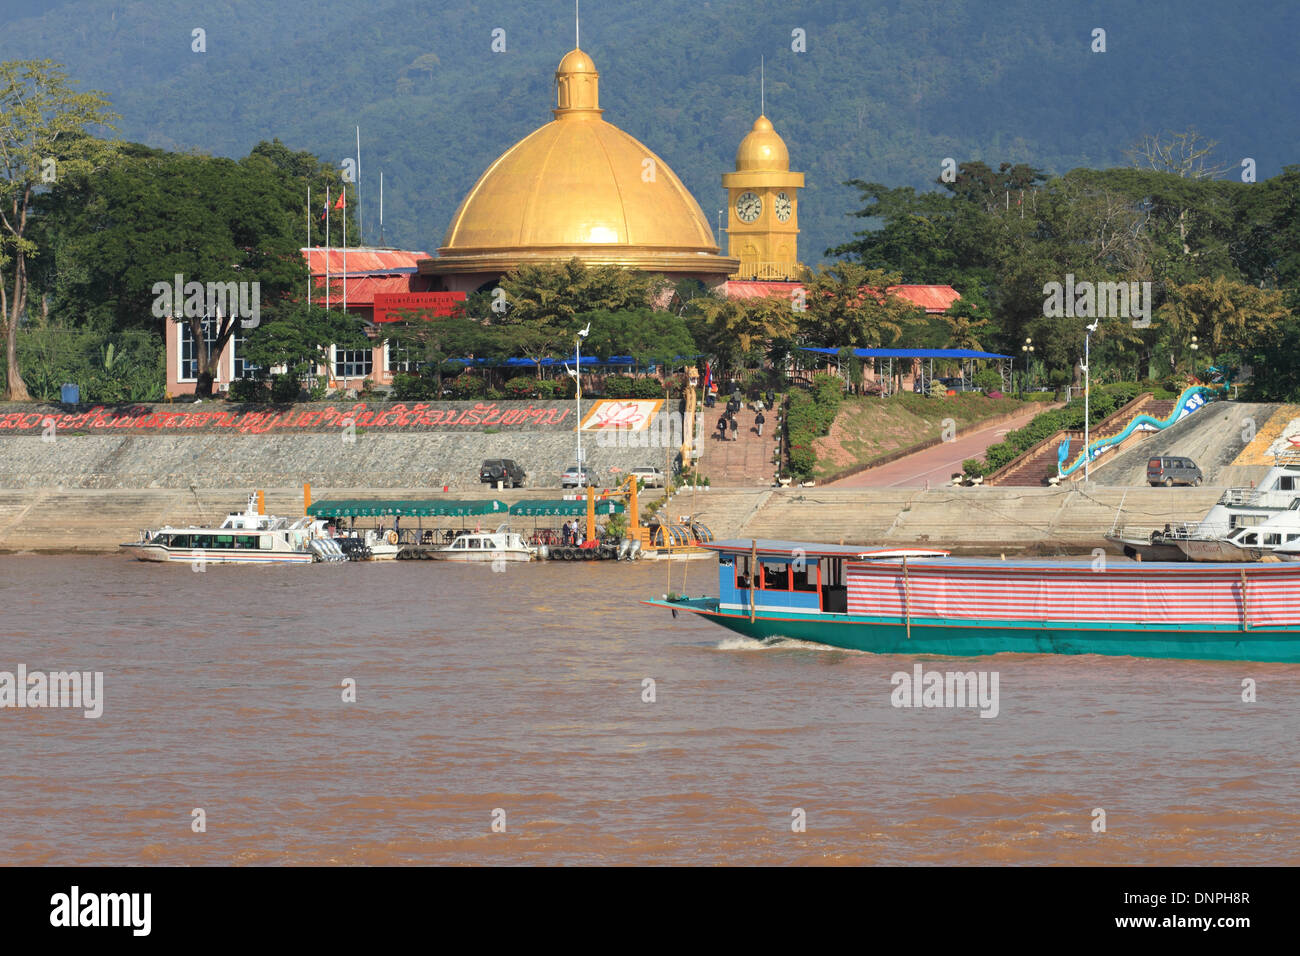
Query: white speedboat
{"type": "Point", "coordinates": [1246, 523]}
{"type": "Point", "coordinates": [245, 537]}
{"type": "Point", "coordinates": [499, 545]}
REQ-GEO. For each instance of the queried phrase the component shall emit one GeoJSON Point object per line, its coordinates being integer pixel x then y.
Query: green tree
{"type": "Point", "coordinates": [1225, 315]}
{"type": "Point", "coordinates": [151, 216]}
{"type": "Point", "coordinates": [434, 340]}
{"type": "Point", "coordinates": [300, 337]}
{"type": "Point", "coordinates": [849, 305]}
{"type": "Point", "coordinates": [44, 136]}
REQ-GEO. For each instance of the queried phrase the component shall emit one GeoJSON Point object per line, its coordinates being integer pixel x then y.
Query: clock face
{"type": "Point", "coordinates": [783, 207]}
{"type": "Point", "coordinates": [748, 207]}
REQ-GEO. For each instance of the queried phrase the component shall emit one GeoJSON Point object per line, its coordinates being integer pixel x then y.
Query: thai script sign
{"type": "Point", "coordinates": [304, 418]}
{"type": "Point", "coordinates": [389, 306]}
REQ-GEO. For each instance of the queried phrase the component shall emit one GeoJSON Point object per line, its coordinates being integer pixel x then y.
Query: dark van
{"type": "Point", "coordinates": [1173, 471]}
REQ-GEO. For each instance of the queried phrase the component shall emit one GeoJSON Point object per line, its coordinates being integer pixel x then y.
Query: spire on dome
{"type": "Point", "coordinates": [762, 149]}
{"type": "Point", "coordinates": [578, 86]}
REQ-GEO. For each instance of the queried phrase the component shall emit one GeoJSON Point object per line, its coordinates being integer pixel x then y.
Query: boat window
{"type": "Point", "coordinates": [203, 541]}
{"type": "Point", "coordinates": [1286, 483]}
{"type": "Point", "coordinates": [224, 541]}
{"type": "Point", "coordinates": [1249, 538]}
{"type": "Point", "coordinates": [474, 543]}
{"type": "Point", "coordinates": [1272, 539]}
{"type": "Point", "coordinates": [806, 580]}
{"type": "Point", "coordinates": [742, 571]}
{"type": "Point", "coordinates": [776, 577]}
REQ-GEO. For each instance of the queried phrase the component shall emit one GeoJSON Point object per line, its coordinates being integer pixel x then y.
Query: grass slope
{"type": "Point", "coordinates": [868, 429]}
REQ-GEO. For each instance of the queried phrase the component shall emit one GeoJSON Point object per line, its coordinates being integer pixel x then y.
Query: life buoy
{"type": "Point", "coordinates": [392, 537]}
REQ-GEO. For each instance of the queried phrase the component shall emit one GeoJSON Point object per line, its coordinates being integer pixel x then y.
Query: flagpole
{"type": "Point", "coordinates": [361, 223]}
{"type": "Point", "coordinates": [327, 248]}
{"type": "Point", "coordinates": [309, 245]}
{"type": "Point", "coordinates": [345, 245]}
{"type": "Point", "coordinates": [381, 207]}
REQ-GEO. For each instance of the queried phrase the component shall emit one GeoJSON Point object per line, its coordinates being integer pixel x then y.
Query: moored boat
{"type": "Point", "coordinates": [1225, 532]}
{"type": "Point", "coordinates": [246, 537]}
{"type": "Point", "coordinates": [499, 545]}
{"type": "Point", "coordinates": [913, 601]}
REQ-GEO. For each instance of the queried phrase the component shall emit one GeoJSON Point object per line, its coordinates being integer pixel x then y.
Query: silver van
{"type": "Point", "coordinates": [1169, 471]}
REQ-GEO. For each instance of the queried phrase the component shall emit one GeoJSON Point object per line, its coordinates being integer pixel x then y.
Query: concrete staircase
{"type": "Point", "coordinates": [1039, 463]}
{"type": "Point", "coordinates": [744, 463]}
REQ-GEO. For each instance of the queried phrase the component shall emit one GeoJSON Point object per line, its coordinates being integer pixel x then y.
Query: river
{"type": "Point", "coordinates": [504, 717]}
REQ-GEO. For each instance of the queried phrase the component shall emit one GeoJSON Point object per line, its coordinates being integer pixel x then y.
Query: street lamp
{"type": "Point", "coordinates": [1087, 355]}
{"type": "Point", "coordinates": [1028, 349]}
{"type": "Point", "coordinates": [577, 394]}
{"type": "Point", "coordinates": [1195, 347]}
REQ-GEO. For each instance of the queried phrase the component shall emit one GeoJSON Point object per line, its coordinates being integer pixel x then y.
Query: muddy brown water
{"type": "Point", "coordinates": [522, 692]}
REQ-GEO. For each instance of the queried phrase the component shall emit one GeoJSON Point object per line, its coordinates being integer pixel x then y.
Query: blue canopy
{"type": "Point", "coordinates": [912, 353]}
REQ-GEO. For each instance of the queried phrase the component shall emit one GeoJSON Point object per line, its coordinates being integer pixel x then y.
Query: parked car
{"type": "Point", "coordinates": [1173, 471]}
{"type": "Point", "coordinates": [651, 476]}
{"type": "Point", "coordinates": [574, 476]}
{"type": "Point", "coordinates": [504, 470]}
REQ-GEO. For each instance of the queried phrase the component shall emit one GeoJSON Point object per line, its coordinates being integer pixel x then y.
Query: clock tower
{"type": "Point", "coordinates": [763, 222]}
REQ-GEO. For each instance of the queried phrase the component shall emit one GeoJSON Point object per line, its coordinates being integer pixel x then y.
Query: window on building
{"type": "Point", "coordinates": [399, 359]}
{"type": "Point", "coordinates": [243, 367]}
{"type": "Point", "coordinates": [353, 363]}
{"type": "Point", "coordinates": [189, 370]}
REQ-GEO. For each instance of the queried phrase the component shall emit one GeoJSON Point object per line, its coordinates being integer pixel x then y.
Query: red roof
{"type": "Point", "coordinates": [361, 260]}
{"type": "Point", "coordinates": [932, 298]}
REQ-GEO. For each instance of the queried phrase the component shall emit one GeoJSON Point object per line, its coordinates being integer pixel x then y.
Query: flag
{"type": "Point", "coordinates": [341, 203]}
{"type": "Point", "coordinates": [708, 377]}
{"type": "Point", "coordinates": [325, 210]}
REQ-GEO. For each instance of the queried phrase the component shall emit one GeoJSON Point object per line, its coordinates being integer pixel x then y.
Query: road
{"type": "Point", "coordinates": [934, 466]}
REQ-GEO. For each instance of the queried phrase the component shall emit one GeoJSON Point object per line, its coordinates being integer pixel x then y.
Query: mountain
{"type": "Point", "coordinates": [884, 92]}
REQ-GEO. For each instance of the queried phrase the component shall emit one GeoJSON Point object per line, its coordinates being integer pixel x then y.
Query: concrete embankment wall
{"type": "Point", "coordinates": [355, 445]}
{"type": "Point", "coordinates": [966, 520]}
{"type": "Point", "coordinates": [102, 475]}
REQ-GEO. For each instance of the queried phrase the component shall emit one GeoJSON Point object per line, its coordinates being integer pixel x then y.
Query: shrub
{"type": "Point", "coordinates": [413, 388]}
{"type": "Point", "coordinates": [988, 379]}
{"type": "Point", "coordinates": [248, 390]}
{"type": "Point", "coordinates": [467, 385]}
{"type": "Point", "coordinates": [809, 417]}
{"type": "Point", "coordinates": [521, 386]}
{"type": "Point", "coordinates": [285, 388]}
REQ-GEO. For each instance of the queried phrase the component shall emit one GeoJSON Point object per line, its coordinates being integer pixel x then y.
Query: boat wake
{"type": "Point", "coordinates": [739, 643]}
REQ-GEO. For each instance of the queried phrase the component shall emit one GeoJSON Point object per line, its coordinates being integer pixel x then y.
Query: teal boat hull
{"type": "Point", "coordinates": [972, 639]}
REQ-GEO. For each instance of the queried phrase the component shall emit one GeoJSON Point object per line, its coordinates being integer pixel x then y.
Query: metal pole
{"type": "Point", "coordinates": [1087, 380]}
{"type": "Point", "coordinates": [577, 397]}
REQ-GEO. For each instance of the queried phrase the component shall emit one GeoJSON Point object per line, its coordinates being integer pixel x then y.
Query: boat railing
{"type": "Point", "coordinates": [1174, 530]}
{"type": "Point", "coordinates": [1241, 497]}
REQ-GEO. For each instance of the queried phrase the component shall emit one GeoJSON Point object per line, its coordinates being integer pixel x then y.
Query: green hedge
{"type": "Point", "coordinates": [629, 386]}
{"type": "Point", "coordinates": [809, 416]}
{"type": "Point", "coordinates": [1105, 401]}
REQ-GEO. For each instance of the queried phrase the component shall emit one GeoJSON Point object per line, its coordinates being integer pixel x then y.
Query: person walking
{"type": "Point", "coordinates": [771, 398]}
{"type": "Point", "coordinates": [735, 429]}
{"type": "Point", "coordinates": [722, 427]}
{"type": "Point", "coordinates": [758, 421]}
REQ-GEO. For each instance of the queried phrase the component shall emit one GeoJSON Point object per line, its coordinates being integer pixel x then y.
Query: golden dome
{"type": "Point", "coordinates": [762, 150]}
{"type": "Point", "coordinates": [579, 186]}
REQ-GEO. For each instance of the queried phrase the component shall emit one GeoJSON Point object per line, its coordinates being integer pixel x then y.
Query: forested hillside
{"type": "Point", "coordinates": [884, 92]}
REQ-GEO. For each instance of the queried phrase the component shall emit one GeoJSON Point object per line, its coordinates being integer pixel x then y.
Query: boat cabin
{"type": "Point", "coordinates": [793, 575]}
